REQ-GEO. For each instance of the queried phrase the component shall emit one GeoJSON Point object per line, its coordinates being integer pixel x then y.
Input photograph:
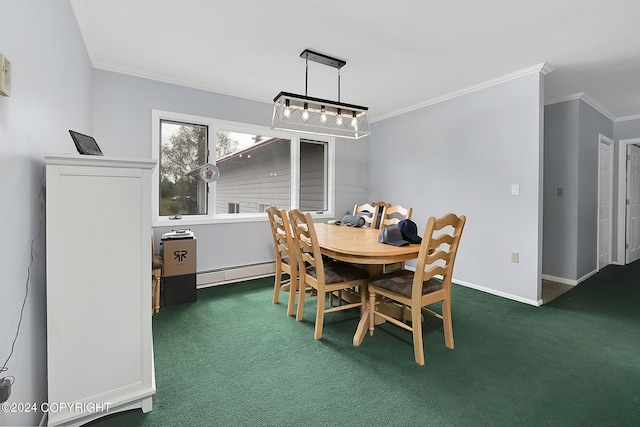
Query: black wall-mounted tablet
{"type": "Point", "coordinates": [85, 144]}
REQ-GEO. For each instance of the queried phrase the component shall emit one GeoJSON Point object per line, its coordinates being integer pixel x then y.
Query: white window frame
{"type": "Point", "coordinates": [215, 125]}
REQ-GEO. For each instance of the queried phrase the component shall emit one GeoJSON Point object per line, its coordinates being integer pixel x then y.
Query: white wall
{"type": "Point", "coordinates": [462, 156]}
{"type": "Point", "coordinates": [51, 93]}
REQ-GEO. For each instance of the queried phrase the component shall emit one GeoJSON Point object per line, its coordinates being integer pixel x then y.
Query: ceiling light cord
{"type": "Point", "coordinates": [338, 84]}
{"type": "Point", "coordinates": [306, 75]}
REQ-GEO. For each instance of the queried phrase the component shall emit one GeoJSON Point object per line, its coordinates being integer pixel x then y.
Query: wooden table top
{"type": "Point", "coordinates": [360, 245]}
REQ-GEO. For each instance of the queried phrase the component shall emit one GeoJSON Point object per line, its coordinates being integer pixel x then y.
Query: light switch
{"type": "Point", "coordinates": [515, 189]}
{"type": "Point", "coordinates": [5, 76]}
{"type": "Point", "coordinates": [560, 192]}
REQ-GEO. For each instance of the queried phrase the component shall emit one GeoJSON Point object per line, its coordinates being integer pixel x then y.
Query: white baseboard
{"type": "Point", "coordinates": [570, 282]}
{"type": "Point", "coordinates": [564, 281]}
{"type": "Point", "coordinates": [490, 291]}
{"type": "Point", "coordinates": [205, 279]}
{"type": "Point", "coordinates": [507, 295]}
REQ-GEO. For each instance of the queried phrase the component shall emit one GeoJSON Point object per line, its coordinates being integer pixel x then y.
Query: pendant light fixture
{"type": "Point", "coordinates": [303, 113]}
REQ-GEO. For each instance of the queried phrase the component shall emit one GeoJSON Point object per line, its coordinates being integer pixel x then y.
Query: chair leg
{"type": "Point", "coordinates": [276, 284]}
{"type": "Point", "coordinates": [416, 327]}
{"type": "Point", "coordinates": [157, 296]}
{"type": "Point", "coordinates": [301, 295]}
{"type": "Point", "coordinates": [155, 290]}
{"type": "Point", "coordinates": [293, 288]}
{"type": "Point", "coordinates": [322, 296]}
{"type": "Point", "coordinates": [372, 311]}
{"type": "Point", "coordinates": [446, 322]}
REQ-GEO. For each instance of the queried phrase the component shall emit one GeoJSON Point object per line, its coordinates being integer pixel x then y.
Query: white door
{"type": "Point", "coordinates": [605, 203]}
{"type": "Point", "coordinates": [633, 204]}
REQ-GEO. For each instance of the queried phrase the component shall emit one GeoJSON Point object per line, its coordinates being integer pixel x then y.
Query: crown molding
{"type": "Point", "coordinates": [627, 118]}
{"type": "Point", "coordinates": [542, 68]}
{"type": "Point", "coordinates": [586, 98]}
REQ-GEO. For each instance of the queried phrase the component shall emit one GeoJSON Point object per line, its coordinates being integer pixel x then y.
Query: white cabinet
{"type": "Point", "coordinates": [99, 341]}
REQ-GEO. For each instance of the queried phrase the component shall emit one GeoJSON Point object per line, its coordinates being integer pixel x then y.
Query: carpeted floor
{"type": "Point", "coordinates": [235, 359]}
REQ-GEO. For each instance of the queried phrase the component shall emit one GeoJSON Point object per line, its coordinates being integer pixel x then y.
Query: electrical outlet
{"type": "Point", "coordinates": [515, 257]}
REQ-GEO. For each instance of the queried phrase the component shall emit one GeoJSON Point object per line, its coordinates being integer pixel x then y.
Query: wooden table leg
{"type": "Point", "coordinates": [363, 327]}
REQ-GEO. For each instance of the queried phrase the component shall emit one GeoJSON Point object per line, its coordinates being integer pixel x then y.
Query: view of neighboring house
{"type": "Point", "coordinates": [258, 176]}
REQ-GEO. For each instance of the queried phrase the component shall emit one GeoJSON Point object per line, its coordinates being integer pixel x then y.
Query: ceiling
{"type": "Point", "coordinates": [400, 55]}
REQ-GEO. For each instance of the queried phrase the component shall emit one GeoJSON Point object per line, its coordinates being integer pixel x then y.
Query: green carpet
{"type": "Point", "coordinates": [235, 359]}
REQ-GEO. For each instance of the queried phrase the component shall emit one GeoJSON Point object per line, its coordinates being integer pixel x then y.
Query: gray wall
{"type": "Point", "coordinates": [591, 124]}
{"type": "Point", "coordinates": [572, 130]}
{"type": "Point", "coordinates": [462, 156]}
{"type": "Point", "coordinates": [626, 129]}
{"type": "Point", "coordinates": [560, 235]}
{"type": "Point", "coordinates": [122, 125]}
{"type": "Point", "coordinates": [51, 93]}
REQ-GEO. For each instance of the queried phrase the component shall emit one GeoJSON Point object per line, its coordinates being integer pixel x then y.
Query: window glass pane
{"type": "Point", "coordinates": [255, 171]}
{"type": "Point", "coordinates": [183, 150]}
{"type": "Point", "coordinates": [313, 176]}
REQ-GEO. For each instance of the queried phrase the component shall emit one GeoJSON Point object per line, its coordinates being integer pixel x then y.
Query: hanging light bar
{"type": "Point", "coordinates": [303, 113]}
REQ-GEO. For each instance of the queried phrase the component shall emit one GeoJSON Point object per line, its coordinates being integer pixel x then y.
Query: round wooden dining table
{"type": "Point", "coordinates": [359, 245]}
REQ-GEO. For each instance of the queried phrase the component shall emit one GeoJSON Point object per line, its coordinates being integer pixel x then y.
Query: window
{"type": "Point", "coordinates": [183, 149]}
{"type": "Point", "coordinates": [259, 167]}
{"type": "Point", "coordinates": [234, 207]}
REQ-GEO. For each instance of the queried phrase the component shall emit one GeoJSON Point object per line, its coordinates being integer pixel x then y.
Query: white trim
{"type": "Point", "coordinates": [214, 125]}
{"type": "Point", "coordinates": [540, 68]}
{"type": "Point", "coordinates": [488, 290]}
{"type": "Point", "coordinates": [602, 139]}
{"type": "Point", "coordinates": [571, 282]}
{"type": "Point", "coordinates": [626, 118]}
{"type": "Point", "coordinates": [622, 197]}
{"type": "Point", "coordinates": [507, 295]}
{"type": "Point", "coordinates": [586, 98]}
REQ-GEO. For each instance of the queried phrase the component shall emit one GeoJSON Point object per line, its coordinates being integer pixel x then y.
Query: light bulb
{"type": "Point", "coordinates": [287, 108]}
{"type": "Point", "coordinates": [305, 113]}
{"type": "Point", "coordinates": [339, 117]}
{"type": "Point", "coordinates": [323, 114]}
{"type": "Point", "coordinates": [354, 120]}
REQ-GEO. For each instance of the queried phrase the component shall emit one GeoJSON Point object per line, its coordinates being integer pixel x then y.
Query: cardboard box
{"type": "Point", "coordinates": [179, 256]}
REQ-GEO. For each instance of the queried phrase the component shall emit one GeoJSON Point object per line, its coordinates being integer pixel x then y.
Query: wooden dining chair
{"type": "Point", "coordinates": [369, 212]}
{"type": "Point", "coordinates": [157, 264]}
{"type": "Point", "coordinates": [286, 261]}
{"type": "Point", "coordinates": [325, 275]}
{"type": "Point", "coordinates": [393, 214]}
{"type": "Point", "coordinates": [421, 288]}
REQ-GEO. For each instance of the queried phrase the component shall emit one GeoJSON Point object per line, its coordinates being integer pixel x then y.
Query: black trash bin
{"type": "Point", "coordinates": [179, 254]}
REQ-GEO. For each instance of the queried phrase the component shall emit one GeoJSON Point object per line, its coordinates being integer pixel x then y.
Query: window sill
{"type": "Point", "coordinates": [222, 219]}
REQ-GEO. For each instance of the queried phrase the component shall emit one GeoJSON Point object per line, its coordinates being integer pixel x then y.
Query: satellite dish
{"type": "Point", "coordinates": [209, 173]}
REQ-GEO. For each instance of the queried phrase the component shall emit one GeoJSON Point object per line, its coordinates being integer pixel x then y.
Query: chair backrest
{"type": "Point", "coordinates": [282, 236]}
{"type": "Point", "coordinates": [393, 215]}
{"type": "Point", "coordinates": [369, 213]}
{"type": "Point", "coordinates": [306, 244]}
{"type": "Point", "coordinates": [438, 251]}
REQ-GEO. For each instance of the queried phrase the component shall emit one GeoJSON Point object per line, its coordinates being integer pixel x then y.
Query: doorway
{"type": "Point", "coordinates": [628, 201]}
{"type": "Point", "coordinates": [605, 201]}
